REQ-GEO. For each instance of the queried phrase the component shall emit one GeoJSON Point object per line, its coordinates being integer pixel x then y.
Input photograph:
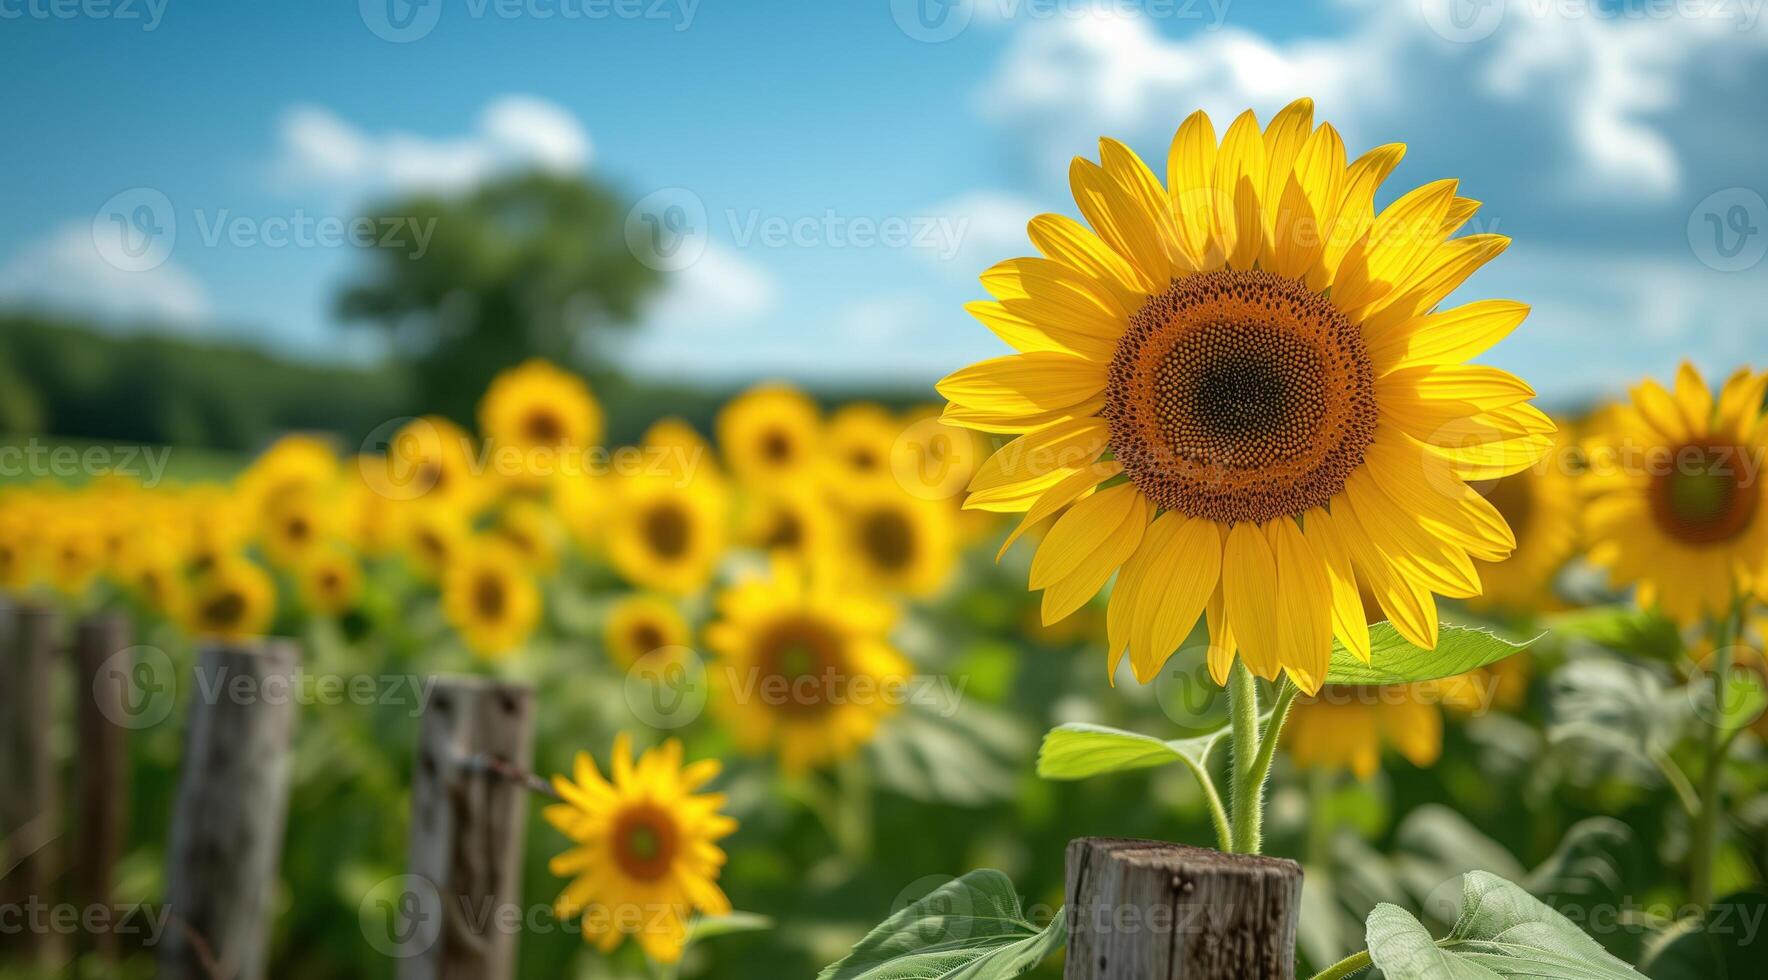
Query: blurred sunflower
{"type": "Point", "coordinates": [793, 518]}
{"type": "Point", "coordinates": [935, 460]}
{"type": "Point", "coordinates": [297, 523]}
{"type": "Point", "coordinates": [233, 599]}
{"type": "Point", "coordinates": [860, 439]}
{"type": "Point", "coordinates": [1241, 390]}
{"type": "Point", "coordinates": [429, 460]}
{"type": "Point", "coordinates": [533, 529]}
{"type": "Point", "coordinates": [647, 855]}
{"type": "Point", "coordinates": [538, 406]}
{"type": "Point", "coordinates": [330, 580]}
{"type": "Point", "coordinates": [490, 597]}
{"type": "Point", "coordinates": [369, 520]}
{"type": "Point", "coordinates": [639, 624]}
{"type": "Point", "coordinates": [1679, 507]}
{"type": "Point", "coordinates": [19, 552]}
{"type": "Point", "coordinates": [769, 433]}
{"type": "Point", "coordinates": [806, 668]}
{"type": "Point", "coordinates": [74, 552]}
{"type": "Point", "coordinates": [156, 577]}
{"type": "Point", "coordinates": [434, 535]}
{"type": "Point", "coordinates": [896, 542]}
{"type": "Point", "coordinates": [292, 463]}
{"type": "Point", "coordinates": [1344, 729]}
{"type": "Point", "coordinates": [666, 534]}
{"type": "Point", "coordinates": [1542, 506]}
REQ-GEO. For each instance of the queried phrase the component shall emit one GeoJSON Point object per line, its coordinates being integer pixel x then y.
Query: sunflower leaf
{"type": "Point", "coordinates": [1077, 751]}
{"type": "Point", "coordinates": [970, 928]}
{"type": "Point", "coordinates": [1393, 660]}
{"type": "Point", "coordinates": [1503, 931]}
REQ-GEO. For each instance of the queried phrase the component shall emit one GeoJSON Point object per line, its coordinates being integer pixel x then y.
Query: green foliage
{"type": "Point", "coordinates": [1723, 945]}
{"type": "Point", "coordinates": [1503, 931]}
{"type": "Point", "coordinates": [1622, 628]}
{"type": "Point", "coordinates": [1394, 660]}
{"type": "Point", "coordinates": [973, 928]}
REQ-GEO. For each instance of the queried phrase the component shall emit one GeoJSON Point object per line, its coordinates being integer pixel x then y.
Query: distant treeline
{"type": "Point", "coordinates": [70, 380]}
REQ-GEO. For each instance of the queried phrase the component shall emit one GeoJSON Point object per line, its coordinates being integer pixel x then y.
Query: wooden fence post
{"type": "Point", "coordinates": [227, 821]}
{"type": "Point", "coordinates": [28, 807]}
{"type": "Point", "coordinates": [101, 768]}
{"type": "Point", "coordinates": [467, 826]}
{"type": "Point", "coordinates": [1147, 910]}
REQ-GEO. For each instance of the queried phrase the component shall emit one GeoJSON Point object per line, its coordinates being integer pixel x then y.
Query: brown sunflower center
{"type": "Point", "coordinates": [645, 841]}
{"type": "Point", "coordinates": [889, 539]}
{"type": "Point", "coordinates": [666, 530]}
{"type": "Point", "coordinates": [863, 460]}
{"type": "Point", "coordinates": [1707, 496]}
{"type": "Point", "coordinates": [647, 637]}
{"type": "Point", "coordinates": [804, 665]}
{"type": "Point", "coordinates": [1240, 396]}
{"type": "Point", "coordinates": [776, 446]}
{"type": "Point", "coordinates": [225, 609]}
{"type": "Point", "coordinates": [787, 532]}
{"type": "Point", "coordinates": [490, 597]}
{"type": "Point", "coordinates": [543, 427]}
{"type": "Point", "coordinates": [1514, 498]}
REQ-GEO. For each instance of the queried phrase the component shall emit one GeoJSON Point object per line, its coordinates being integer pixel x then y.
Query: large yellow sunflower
{"type": "Point", "coordinates": [646, 855]}
{"type": "Point", "coordinates": [770, 433]}
{"type": "Point", "coordinates": [1679, 501]}
{"type": "Point", "coordinates": [804, 667]}
{"type": "Point", "coordinates": [1241, 389]}
{"type": "Point", "coordinates": [489, 595]}
{"type": "Point", "coordinates": [1542, 506]}
{"type": "Point", "coordinates": [542, 413]}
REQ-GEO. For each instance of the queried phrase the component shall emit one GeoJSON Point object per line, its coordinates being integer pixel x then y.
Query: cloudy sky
{"type": "Point", "coordinates": [830, 177]}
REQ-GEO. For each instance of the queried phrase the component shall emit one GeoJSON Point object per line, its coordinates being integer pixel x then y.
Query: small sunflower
{"type": "Point", "coordinates": [1241, 391]}
{"type": "Point", "coordinates": [1541, 504]}
{"type": "Point", "coordinates": [232, 600]}
{"type": "Point", "coordinates": [666, 533]}
{"type": "Point", "coordinates": [434, 534]}
{"type": "Point", "coordinates": [770, 433]}
{"type": "Point", "coordinates": [156, 577]}
{"type": "Point", "coordinates": [896, 542]}
{"type": "Point", "coordinates": [536, 406]}
{"type": "Point", "coordinates": [20, 551]}
{"type": "Point", "coordinates": [292, 463]}
{"type": "Point", "coordinates": [646, 857]}
{"type": "Point", "coordinates": [639, 624]}
{"type": "Point", "coordinates": [860, 440]}
{"type": "Point", "coordinates": [330, 580]}
{"type": "Point", "coordinates": [1679, 502]}
{"type": "Point", "coordinates": [429, 460]}
{"type": "Point", "coordinates": [74, 553]}
{"type": "Point", "coordinates": [806, 668]}
{"type": "Point", "coordinates": [1342, 729]}
{"type": "Point", "coordinates": [534, 530]}
{"type": "Point", "coordinates": [794, 519]}
{"type": "Point", "coordinates": [491, 598]}
{"type": "Point", "coordinates": [297, 523]}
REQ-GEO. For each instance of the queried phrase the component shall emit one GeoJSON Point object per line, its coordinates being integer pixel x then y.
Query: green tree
{"type": "Point", "coordinates": [532, 265]}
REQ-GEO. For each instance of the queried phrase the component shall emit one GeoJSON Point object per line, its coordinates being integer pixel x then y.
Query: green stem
{"type": "Point", "coordinates": [1267, 744]}
{"type": "Point", "coordinates": [1217, 815]}
{"type": "Point", "coordinates": [1705, 852]}
{"type": "Point", "coordinates": [1245, 797]}
{"type": "Point", "coordinates": [1678, 780]}
{"type": "Point", "coordinates": [1345, 967]}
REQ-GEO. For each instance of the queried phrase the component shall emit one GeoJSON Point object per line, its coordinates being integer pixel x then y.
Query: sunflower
{"type": "Point", "coordinates": [666, 533]}
{"type": "Point", "coordinates": [860, 440]}
{"type": "Point", "coordinates": [896, 542]}
{"type": "Point", "coordinates": [20, 551]}
{"type": "Point", "coordinates": [431, 460]}
{"type": "Point", "coordinates": [646, 855]}
{"type": "Point", "coordinates": [74, 552]}
{"type": "Point", "coordinates": [155, 575]}
{"type": "Point", "coordinates": [639, 624]}
{"type": "Point", "coordinates": [769, 433]}
{"type": "Point", "coordinates": [297, 523]}
{"type": "Point", "coordinates": [1345, 728]}
{"type": "Point", "coordinates": [233, 599]}
{"type": "Point", "coordinates": [433, 535]}
{"type": "Point", "coordinates": [292, 463]}
{"type": "Point", "coordinates": [1241, 389]}
{"type": "Point", "coordinates": [537, 407]}
{"type": "Point", "coordinates": [1541, 505]}
{"type": "Point", "coordinates": [1679, 507]}
{"type": "Point", "coordinates": [330, 580]}
{"type": "Point", "coordinates": [793, 518]}
{"type": "Point", "coordinates": [534, 530]}
{"type": "Point", "coordinates": [806, 668]}
{"type": "Point", "coordinates": [370, 520]}
{"type": "Point", "coordinates": [490, 597]}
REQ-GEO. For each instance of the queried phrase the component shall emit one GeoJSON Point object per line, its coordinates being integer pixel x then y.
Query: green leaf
{"type": "Point", "coordinates": [1623, 628]}
{"type": "Point", "coordinates": [1078, 750]}
{"type": "Point", "coordinates": [1393, 660]}
{"type": "Point", "coordinates": [1503, 931]}
{"type": "Point", "coordinates": [972, 928]}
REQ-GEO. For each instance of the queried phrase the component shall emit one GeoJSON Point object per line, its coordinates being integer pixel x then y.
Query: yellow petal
{"type": "Point", "coordinates": [1120, 220]}
{"type": "Point", "coordinates": [1024, 383]}
{"type": "Point", "coordinates": [1190, 170]}
{"type": "Point", "coordinates": [1239, 176]}
{"type": "Point", "coordinates": [1304, 606]}
{"type": "Point", "coordinates": [1061, 495]}
{"type": "Point", "coordinates": [1401, 237]}
{"type": "Point", "coordinates": [1108, 553]}
{"type": "Point", "coordinates": [1144, 189]}
{"type": "Point", "coordinates": [1438, 276]}
{"type": "Point", "coordinates": [1180, 565]}
{"type": "Point", "coordinates": [1452, 336]}
{"type": "Point", "coordinates": [1355, 210]}
{"type": "Point", "coordinates": [1083, 530]}
{"type": "Point", "coordinates": [1249, 596]}
{"type": "Point", "coordinates": [1283, 138]}
{"type": "Point", "coordinates": [1059, 448]}
{"type": "Point", "coordinates": [1067, 241]}
{"type": "Point", "coordinates": [1349, 622]}
{"type": "Point", "coordinates": [1408, 606]}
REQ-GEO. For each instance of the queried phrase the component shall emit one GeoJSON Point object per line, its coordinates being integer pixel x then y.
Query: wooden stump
{"type": "Point", "coordinates": [227, 822]}
{"type": "Point", "coordinates": [29, 815]}
{"type": "Point", "coordinates": [452, 919]}
{"type": "Point", "coordinates": [1147, 910]}
{"type": "Point", "coordinates": [102, 769]}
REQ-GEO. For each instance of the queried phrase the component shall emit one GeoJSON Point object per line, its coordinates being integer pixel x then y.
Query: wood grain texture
{"type": "Point", "coordinates": [101, 775]}
{"type": "Point", "coordinates": [1149, 910]}
{"type": "Point", "coordinates": [29, 804]}
{"type": "Point", "coordinates": [467, 829]}
{"type": "Point", "coordinates": [229, 814]}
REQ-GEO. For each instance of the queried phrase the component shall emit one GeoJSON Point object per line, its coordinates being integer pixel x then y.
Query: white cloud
{"type": "Point", "coordinates": [66, 273]}
{"type": "Point", "coordinates": [1595, 94]}
{"type": "Point", "coordinates": [988, 225]}
{"type": "Point", "coordinates": [319, 147]}
{"type": "Point", "coordinates": [721, 287]}
{"type": "Point", "coordinates": [884, 322]}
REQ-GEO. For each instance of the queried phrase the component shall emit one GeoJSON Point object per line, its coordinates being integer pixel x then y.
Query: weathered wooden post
{"type": "Point", "coordinates": [227, 821]}
{"type": "Point", "coordinates": [1147, 910]}
{"type": "Point", "coordinates": [453, 920]}
{"type": "Point", "coordinates": [101, 768]}
{"type": "Point", "coordinates": [29, 813]}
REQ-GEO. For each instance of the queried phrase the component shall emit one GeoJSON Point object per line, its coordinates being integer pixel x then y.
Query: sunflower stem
{"type": "Point", "coordinates": [1245, 796]}
{"type": "Point", "coordinates": [1705, 852]}
{"type": "Point", "coordinates": [1345, 967]}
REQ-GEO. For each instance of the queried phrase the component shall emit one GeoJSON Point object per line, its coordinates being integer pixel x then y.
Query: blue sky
{"type": "Point", "coordinates": [847, 169]}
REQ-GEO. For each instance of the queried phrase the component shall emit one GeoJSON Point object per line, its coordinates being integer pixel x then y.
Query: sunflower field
{"type": "Point", "coordinates": [1237, 545]}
